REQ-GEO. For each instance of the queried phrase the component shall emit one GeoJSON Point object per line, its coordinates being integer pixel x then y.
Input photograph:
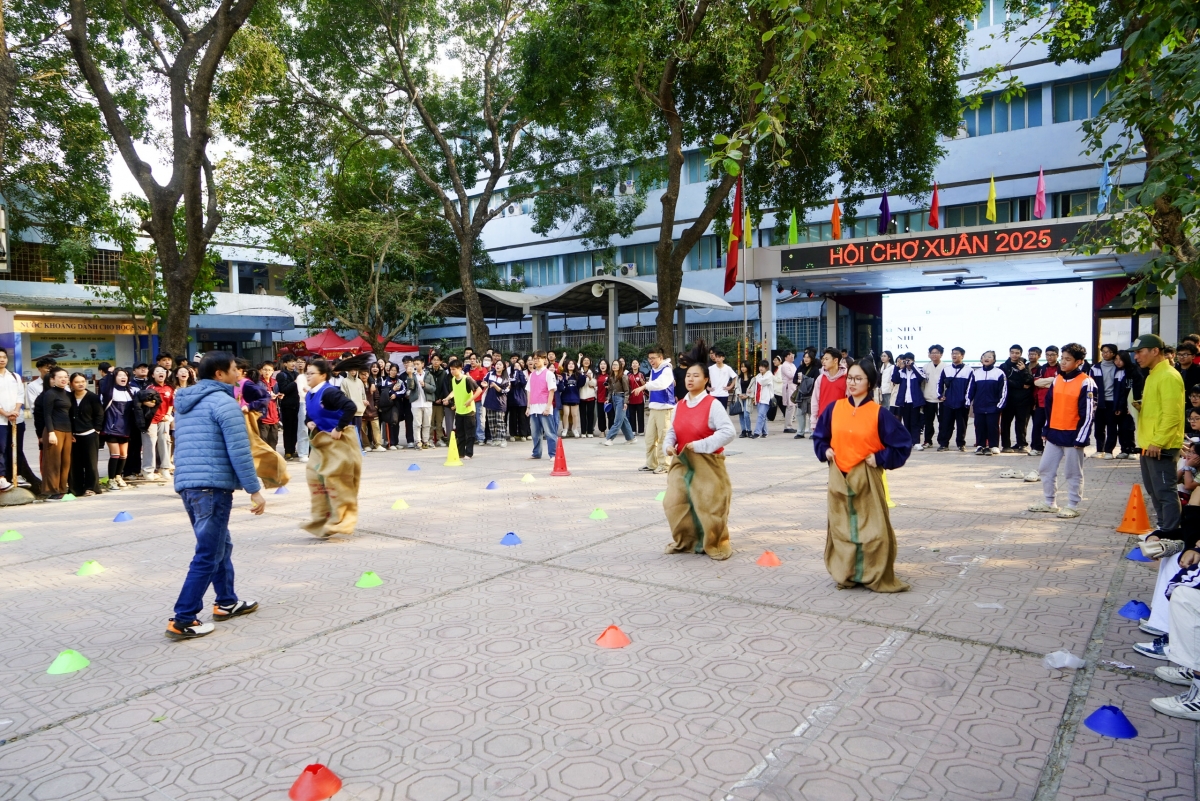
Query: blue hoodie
{"type": "Point", "coordinates": [988, 389]}
{"type": "Point", "coordinates": [212, 448]}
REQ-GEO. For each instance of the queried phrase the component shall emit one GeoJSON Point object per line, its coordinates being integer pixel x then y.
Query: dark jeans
{"type": "Point", "coordinates": [83, 465]}
{"type": "Point", "coordinates": [932, 412]}
{"type": "Point", "coordinates": [1125, 432]}
{"type": "Point", "coordinates": [1039, 423]}
{"type": "Point", "coordinates": [1158, 476]}
{"type": "Point", "coordinates": [954, 421]}
{"type": "Point", "coordinates": [1106, 427]}
{"type": "Point", "coordinates": [518, 423]}
{"type": "Point", "coordinates": [987, 429]}
{"type": "Point", "coordinates": [208, 509]}
{"type": "Point", "coordinates": [464, 430]}
{"type": "Point", "coordinates": [290, 417]}
{"type": "Point", "coordinates": [133, 461]}
{"type": "Point", "coordinates": [911, 417]}
{"type": "Point", "coordinates": [637, 417]}
{"type": "Point", "coordinates": [1018, 413]}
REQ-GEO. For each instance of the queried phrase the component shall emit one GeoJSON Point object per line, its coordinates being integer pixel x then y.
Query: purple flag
{"type": "Point", "coordinates": [885, 215]}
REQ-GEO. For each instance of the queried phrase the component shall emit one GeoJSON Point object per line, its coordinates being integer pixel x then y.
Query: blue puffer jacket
{"type": "Point", "coordinates": [212, 448]}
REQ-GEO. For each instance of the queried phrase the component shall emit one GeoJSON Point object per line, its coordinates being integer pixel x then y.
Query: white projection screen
{"type": "Point", "coordinates": [988, 318]}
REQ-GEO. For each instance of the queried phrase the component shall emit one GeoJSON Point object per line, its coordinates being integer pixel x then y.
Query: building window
{"type": "Point", "coordinates": [277, 273]}
{"type": "Point", "coordinates": [642, 256]}
{"type": "Point", "coordinates": [706, 255]}
{"type": "Point", "coordinates": [102, 269]}
{"type": "Point", "coordinates": [695, 170]}
{"type": "Point", "coordinates": [578, 266]}
{"type": "Point", "coordinates": [810, 232]}
{"type": "Point", "coordinates": [537, 272]}
{"type": "Point", "coordinates": [27, 262]}
{"type": "Point", "coordinates": [863, 226]}
{"type": "Point", "coordinates": [994, 115]}
{"type": "Point", "coordinates": [1079, 100]}
{"type": "Point", "coordinates": [251, 278]}
{"type": "Point", "coordinates": [1007, 210]}
{"type": "Point", "coordinates": [993, 13]}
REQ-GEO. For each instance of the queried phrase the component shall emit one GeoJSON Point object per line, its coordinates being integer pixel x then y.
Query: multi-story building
{"type": "Point", "coordinates": [70, 319]}
{"type": "Point", "coordinates": [818, 293]}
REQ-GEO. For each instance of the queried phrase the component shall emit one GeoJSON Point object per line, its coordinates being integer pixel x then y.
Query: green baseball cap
{"type": "Point", "coordinates": [1148, 341]}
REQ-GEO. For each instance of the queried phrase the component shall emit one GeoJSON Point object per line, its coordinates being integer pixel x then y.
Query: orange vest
{"type": "Point", "coordinates": [855, 432]}
{"type": "Point", "coordinates": [1065, 414]}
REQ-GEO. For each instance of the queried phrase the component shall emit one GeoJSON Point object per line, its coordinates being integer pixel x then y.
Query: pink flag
{"type": "Point", "coordinates": [1039, 202]}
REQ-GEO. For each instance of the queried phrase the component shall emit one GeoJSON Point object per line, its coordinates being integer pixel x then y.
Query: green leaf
{"type": "Point", "coordinates": [720, 139]}
{"type": "Point", "coordinates": [730, 166]}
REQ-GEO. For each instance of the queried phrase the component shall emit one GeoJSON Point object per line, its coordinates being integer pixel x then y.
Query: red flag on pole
{"type": "Point", "coordinates": [735, 236]}
{"type": "Point", "coordinates": [933, 209]}
{"type": "Point", "coordinates": [836, 220]}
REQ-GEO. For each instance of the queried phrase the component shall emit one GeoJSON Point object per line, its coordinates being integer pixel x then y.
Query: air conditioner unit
{"type": "Point", "coordinates": [629, 269]}
{"type": "Point", "coordinates": [512, 210]}
{"type": "Point", "coordinates": [598, 269]}
{"type": "Point", "coordinates": [626, 188]}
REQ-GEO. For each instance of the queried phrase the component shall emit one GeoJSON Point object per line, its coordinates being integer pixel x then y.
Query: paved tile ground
{"type": "Point", "coordinates": [472, 673]}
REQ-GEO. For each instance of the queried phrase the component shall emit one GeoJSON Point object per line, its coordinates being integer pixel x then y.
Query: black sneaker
{"type": "Point", "coordinates": [189, 631]}
{"type": "Point", "coordinates": [942, 448]}
{"type": "Point", "coordinates": [754, 436]}
{"type": "Point", "coordinates": [1006, 450]}
{"type": "Point", "coordinates": [234, 609]}
{"type": "Point", "coordinates": [962, 448]}
{"type": "Point", "coordinates": [744, 435]}
{"type": "Point", "coordinates": [798, 436]}
{"type": "Point", "coordinates": [789, 431]}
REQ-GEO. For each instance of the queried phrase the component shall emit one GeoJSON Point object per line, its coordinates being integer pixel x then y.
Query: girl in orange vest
{"type": "Point", "coordinates": [1069, 419]}
{"type": "Point", "coordinates": [698, 490]}
{"type": "Point", "coordinates": [860, 441]}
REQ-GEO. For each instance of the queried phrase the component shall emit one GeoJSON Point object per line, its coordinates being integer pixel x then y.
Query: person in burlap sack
{"type": "Point", "coordinates": [335, 459]}
{"type": "Point", "coordinates": [257, 401]}
{"type": "Point", "coordinates": [859, 442]}
{"type": "Point", "coordinates": [698, 490]}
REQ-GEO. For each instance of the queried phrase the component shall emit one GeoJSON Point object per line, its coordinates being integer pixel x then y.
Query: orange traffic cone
{"type": "Point", "coordinates": [768, 559]}
{"type": "Point", "coordinates": [560, 461]}
{"type": "Point", "coordinates": [1135, 521]}
{"type": "Point", "coordinates": [613, 637]}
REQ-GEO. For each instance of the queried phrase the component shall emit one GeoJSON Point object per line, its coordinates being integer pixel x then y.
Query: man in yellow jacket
{"type": "Point", "coordinates": [1160, 427]}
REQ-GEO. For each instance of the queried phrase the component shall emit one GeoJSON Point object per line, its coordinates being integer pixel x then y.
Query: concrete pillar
{"type": "Point", "coordinates": [766, 312]}
{"type": "Point", "coordinates": [537, 326]}
{"type": "Point", "coordinates": [468, 343]}
{"type": "Point", "coordinates": [1168, 317]}
{"type": "Point", "coordinates": [613, 323]}
{"type": "Point", "coordinates": [831, 323]}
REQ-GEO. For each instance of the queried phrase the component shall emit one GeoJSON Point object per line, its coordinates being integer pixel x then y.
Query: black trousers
{"type": "Point", "coordinates": [464, 434]}
{"type": "Point", "coordinates": [1125, 432]}
{"type": "Point", "coordinates": [1106, 427]}
{"type": "Point", "coordinates": [22, 467]}
{"type": "Point", "coordinates": [603, 418]}
{"type": "Point", "coordinates": [133, 461]}
{"type": "Point", "coordinates": [290, 419]}
{"type": "Point", "coordinates": [1015, 413]}
{"type": "Point", "coordinates": [269, 433]}
{"type": "Point", "coordinates": [932, 412]}
{"type": "Point", "coordinates": [84, 475]}
{"type": "Point", "coordinates": [911, 418]}
{"type": "Point", "coordinates": [1039, 423]}
{"type": "Point", "coordinates": [518, 422]}
{"type": "Point", "coordinates": [954, 421]}
{"type": "Point", "coordinates": [637, 417]}
{"type": "Point", "coordinates": [987, 429]}
{"type": "Point", "coordinates": [587, 416]}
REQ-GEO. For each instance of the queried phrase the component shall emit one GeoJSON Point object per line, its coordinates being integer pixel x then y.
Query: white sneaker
{"type": "Point", "coordinates": [918, 447]}
{"type": "Point", "coordinates": [503, 443]}
{"type": "Point", "coordinates": [5, 484]}
{"type": "Point", "coordinates": [1175, 675]}
{"type": "Point", "coordinates": [303, 459]}
{"type": "Point", "coordinates": [1176, 707]}
{"type": "Point", "coordinates": [607, 442]}
{"type": "Point", "coordinates": [1144, 625]}
{"type": "Point", "coordinates": [995, 451]}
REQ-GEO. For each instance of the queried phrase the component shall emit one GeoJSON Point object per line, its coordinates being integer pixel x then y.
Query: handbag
{"type": "Point", "coordinates": [735, 406]}
{"type": "Point", "coordinates": [608, 408]}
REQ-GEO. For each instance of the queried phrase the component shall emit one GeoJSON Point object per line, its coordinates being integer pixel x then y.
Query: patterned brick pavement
{"type": "Point", "coordinates": [472, 673]}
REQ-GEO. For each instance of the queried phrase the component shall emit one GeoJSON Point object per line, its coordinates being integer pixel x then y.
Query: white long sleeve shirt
{"type": "Point", "coordinates": [665, 381]}
{"type": "Point", "coordinates": [718, 421]}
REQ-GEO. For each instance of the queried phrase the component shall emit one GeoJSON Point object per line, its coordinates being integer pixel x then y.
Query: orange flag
{"type": "Point", "coordinates": [837, 220]}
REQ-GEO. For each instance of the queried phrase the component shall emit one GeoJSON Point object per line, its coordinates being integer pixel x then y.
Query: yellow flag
{"type": "Point", "coordinates": [990, 214]}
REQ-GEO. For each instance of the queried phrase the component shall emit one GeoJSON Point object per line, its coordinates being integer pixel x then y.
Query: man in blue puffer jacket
{"type": "Point", "coordinates": [212, 459]}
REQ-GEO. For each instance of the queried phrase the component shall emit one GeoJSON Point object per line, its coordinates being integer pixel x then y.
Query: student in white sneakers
{"type": "Point", "coordinates": [1069, 418]}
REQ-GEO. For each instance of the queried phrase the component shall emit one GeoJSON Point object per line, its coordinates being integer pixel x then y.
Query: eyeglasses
{"type": "Point", "coordinates": [855, 378]}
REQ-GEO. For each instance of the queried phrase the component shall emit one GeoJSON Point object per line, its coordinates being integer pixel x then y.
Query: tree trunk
{"type": "Point", "coordinates": [480, 336]}
{"type": "Point", "coordinates": [179, 271]}
{"type": "Point", "coordinates": [670, 279]}
{"type": "Point", "coordinates": [1191, 288]}
{"type": "Point", "coordinates": [8, 84]}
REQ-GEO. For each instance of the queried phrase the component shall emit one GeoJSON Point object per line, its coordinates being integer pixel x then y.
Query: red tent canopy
{"type": "Point", "coordinates": [325, 342]}
{"type": "Point", "coordinates": [358, 345]}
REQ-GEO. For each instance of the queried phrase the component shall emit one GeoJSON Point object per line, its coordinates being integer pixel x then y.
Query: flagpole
{"type": "Point", "coordinates": [745, 317]}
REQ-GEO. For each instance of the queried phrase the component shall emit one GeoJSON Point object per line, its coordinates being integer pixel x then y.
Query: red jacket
{"type": "Point", "coordinates": [829, 389]}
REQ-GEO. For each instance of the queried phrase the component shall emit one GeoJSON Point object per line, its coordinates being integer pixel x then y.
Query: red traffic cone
{"type": "Point", "coordinates": [768, 559]}
{"type": "Point", "coordinates": [560, 461]}
{"type": "Point", "coordinates": [316, 783]}
{"type": "Point", "coordinates": [613, 637]}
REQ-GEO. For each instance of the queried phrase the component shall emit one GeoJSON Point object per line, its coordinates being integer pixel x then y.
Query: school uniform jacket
{"type": "Point", "coordinates": [988, 389]}
{"type": "Point", "coordinates": [953, 386]}
{"type": "Point", "coordinates": [908, 387]}
{"type": "Point", "coordinates": [1084, 413]}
